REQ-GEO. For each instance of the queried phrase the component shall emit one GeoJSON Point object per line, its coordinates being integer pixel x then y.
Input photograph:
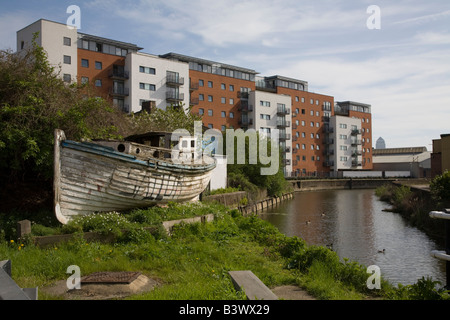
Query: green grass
{"type": "Point", "coordinates": [194, 262]}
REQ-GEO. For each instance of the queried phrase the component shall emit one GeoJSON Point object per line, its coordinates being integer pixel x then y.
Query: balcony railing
{"type": "Point", "coordinates": [356, 132]}
{"type": "Point", "coordinates": [328, 141]}
{"type": "Point", "coordinates": [118, 74]}
{"type": "Point", "coordinates": [328, 164]}
{"type": "Point", "coordinates": [174, 96]}
{"type": "Point", "coordinates": [283, 123]}
{"type": "Point", "coordinates": [174, 80]}
{"type": "Point", "coordinates": [356, 142]}
{"type": "Point", "coordinates": [283, 111]}
{"type": "Point", "coordinates": [193, 86]}
{"type": "Point", "coordinates": [328, 129]}
{"type": "Point", "coordinates": [194, 101]}
{"type": "Point", "coordinates": [120, 91]}
{"type": "Point", "coordinates": [329, 152]}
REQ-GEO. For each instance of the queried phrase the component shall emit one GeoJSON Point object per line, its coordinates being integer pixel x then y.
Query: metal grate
{"type": "Point", "coordinates": [110, 278]}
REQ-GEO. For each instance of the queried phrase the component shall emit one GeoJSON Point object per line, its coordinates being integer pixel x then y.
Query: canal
{"type": "Point", "coordinates": [354, 224]}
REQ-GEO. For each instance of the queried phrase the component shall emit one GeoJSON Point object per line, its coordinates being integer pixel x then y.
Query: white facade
{"type": "Point", "coordinates": [347, 143]}
{"type": "Point", "coordinates": [59, 42]}
{"type": "Point", "coordinates": [156, 79]}
{"type": "Point", "coordinates": [273, 111]}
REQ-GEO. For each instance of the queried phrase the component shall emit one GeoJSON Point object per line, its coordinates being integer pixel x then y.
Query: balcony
{"type": "Point", "coordinates": [328, 141]}
{"type": "Point", "coordinates": [174, 80]}
{"type": "Point", "coordinates": [242, 95]}
{"type": "Point", "coordinates": [286, 162]}
{"type": "Point", "coordinates": [245, 107]}
{"type": "Point", "coordinates": [119, 91]}
{"type": "Point", "coordinates": [283, 111]}
{"type": "Point", "coordinates": [194, 101]}
{"type": "Point", "coordinates": [328, 164]}
{"type": "Point", "coordinates": [174, 96]}
{"type": "Point", "coordinates": [118, 74]}
{"type": "Point", "coordinates": [283, 123]}
{"type": "Point", "coordinates": [356, 164]}
{"type": "Point", "coordinates": [356, 142]}
{"type": "Point", "coordinates": [329, 152]}
{"type": "Point", "coordinates": [327, 129]}
{"type": "Point", "coordinates": [356, 132]}
{"type": "Point", "coordinates": [193, 86]}
{"type": "Point", "coordinates": [284, 136]}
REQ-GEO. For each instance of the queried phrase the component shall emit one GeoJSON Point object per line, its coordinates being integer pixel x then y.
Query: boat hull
{"type": "Point", "coordinates": [90, 178]}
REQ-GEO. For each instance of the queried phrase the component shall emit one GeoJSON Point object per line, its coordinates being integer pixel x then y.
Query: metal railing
{"type": "Point", "coordinates": [443, 255]}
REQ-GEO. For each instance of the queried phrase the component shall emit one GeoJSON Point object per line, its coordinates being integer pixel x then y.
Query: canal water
{"type": "Point", "coordinates": [355, 225]}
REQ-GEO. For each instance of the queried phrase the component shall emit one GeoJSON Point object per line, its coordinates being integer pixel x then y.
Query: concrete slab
{"type": "Point", "coordinates": [253, 287]}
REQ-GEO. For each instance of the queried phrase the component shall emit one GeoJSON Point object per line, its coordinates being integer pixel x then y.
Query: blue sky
{"type": "Point", "coordinates": [402, 69]}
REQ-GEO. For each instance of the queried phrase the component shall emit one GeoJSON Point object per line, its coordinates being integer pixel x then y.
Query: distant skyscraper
{"type": "Point", "coordinates": [380, 144]}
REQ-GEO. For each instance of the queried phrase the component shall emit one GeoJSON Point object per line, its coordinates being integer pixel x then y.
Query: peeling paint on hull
{"type": "Point", "coordinates": [91, 178]}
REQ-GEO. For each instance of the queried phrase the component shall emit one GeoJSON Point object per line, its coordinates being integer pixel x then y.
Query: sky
{"type": "Point", "coordinates": [395, 58]}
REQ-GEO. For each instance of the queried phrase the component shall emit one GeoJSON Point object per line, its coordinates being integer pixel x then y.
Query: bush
{"type": "Point", "coordinates": [440, 189]}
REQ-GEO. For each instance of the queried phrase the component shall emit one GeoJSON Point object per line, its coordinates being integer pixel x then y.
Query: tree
{"type": "Point", "coordinates": [34, 100]}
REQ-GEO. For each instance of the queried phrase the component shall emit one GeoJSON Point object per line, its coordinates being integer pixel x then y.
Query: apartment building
{"type": "Point", "coordinates": [361, 112]}
{"type": "Point", "coordinates": [218, 91]}
{"type": "Point", "coordinates": [310, 115]}
{"type": "Point", "coordinates": [226, 96]}
{"type": "Point", "coordinates": [347, 151]}
{"type": "Point", "coordinates": [116, 70]}
{"type": "Point", "coordinates": [269, 111]}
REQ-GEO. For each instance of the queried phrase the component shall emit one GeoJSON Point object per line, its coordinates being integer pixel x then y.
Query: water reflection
{"type": "Point", "coordinates": [354, 224]}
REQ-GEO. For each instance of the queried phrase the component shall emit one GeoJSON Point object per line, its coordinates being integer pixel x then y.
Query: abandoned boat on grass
{"type": "Point", "coordinates": [104, 176]}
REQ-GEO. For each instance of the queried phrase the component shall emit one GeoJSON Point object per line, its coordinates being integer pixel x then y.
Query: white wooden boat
{"type": "Point", "coordinates": [105, 176]}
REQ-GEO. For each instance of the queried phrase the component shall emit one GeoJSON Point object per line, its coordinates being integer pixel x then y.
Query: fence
{"type": "Point", "coordinates": [444, 255]}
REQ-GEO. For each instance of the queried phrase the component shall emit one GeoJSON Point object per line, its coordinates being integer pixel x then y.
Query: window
{"type": "Point", "coordinates": [343, 136]}
{"type": "Point", "coordinates": [201, 97]}
{"type": "Point", "coordinates": [98, 65]}
{"type": "Point", "coordinates": [201, 111]}
{"type": "Point", "coordinates": [303, 100]}
{"type": "Point", "coordinates": [85, 63]}
{"type": "Point", "coordinates": [311, 101]}
{"type": "Point", "coordinates": [210, 84]}
{"type": "Point", "coordinates": [98, 83]}
{"type": "Point", "coordinates": [223, 114]}
{"type": "Point", "coordinates": [223, 100]}
{"type": "Point", "coordinates": [303, 146]}
{"type": "Point", "coordinates": [342, 126]}
{"type": "Point", "coordinates": [210, 125]}
{"type": "Point", "coordinates": [210, 112]}
{"type": "Point", "coordinates": [343, 148]}
{"type": "Point", "coordinates": [210, 98]}
{"type": "Point", "coordinates": [67, 78]}
{"type": "Point", "coordinates": [264, 103]}
{"type": "Point", "coordinates": [84, 80]}
{"type": "Point", "coordinates": [231, 87]}
{"type": "Point", "coordinates": [296, 99]}
{"type": "Point", "coordinates": [303, 134]}
{"type": "Point", "coordinates": [231, 114]}
{"type": "Point", "coordinates": [344, 159]}
{"type": "Point", "coordinates": [67, 42]}
{"type": "Point", "coordinates": [223, 128]}
{"type": "Point", "coordinates": [223, 86]}
{"type": "Point", "coordinates": [147, 86]}
{"type": "Point", "coordinates": [312, 123]}
{"type": "Point", "coordinates": [231, 101]}
{"type": "Point", "coordinates": [303, 111]}
{"type": "Point", "coordinates": [264, 116]}
{"type": "Point", "coordinates": [67, 59]}
{"type": "Point", "coordinates": [147, 70]}
{"type": "Point", "coordinates": [303, 123]}
{"type": "Point", "coordinates": [201, 83]}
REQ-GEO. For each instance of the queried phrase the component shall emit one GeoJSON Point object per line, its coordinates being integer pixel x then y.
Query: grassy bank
{"type": "Point", "coordinates": [194, 262]}
{"type": "Point", "coordinates": [414, 207]}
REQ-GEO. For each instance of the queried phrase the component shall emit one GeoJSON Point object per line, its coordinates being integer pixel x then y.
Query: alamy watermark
{"type": "Point", "coordinates": [374, 281]}
{"type": "Point", "coordinates": [74, 281]}
{"type": "Point", "coordinates": [374, 21]}
{"type": "Point", "coordinates": [212, 142]}
{"type": "Point", "coordinates": [74, 20]}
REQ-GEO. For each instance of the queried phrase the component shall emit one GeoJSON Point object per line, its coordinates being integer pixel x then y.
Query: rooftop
{"type": "Point", "coordinates": [184, 58]}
